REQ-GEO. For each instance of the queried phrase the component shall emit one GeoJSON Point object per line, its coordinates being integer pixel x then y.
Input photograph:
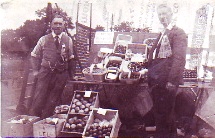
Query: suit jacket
{"type": "Point", "coordinates": [161, 71]}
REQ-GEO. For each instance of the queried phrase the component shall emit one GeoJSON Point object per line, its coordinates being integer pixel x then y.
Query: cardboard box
{"type": "Point", "coordinates": [43, 129]}
{"type": "Point", "coordinates": [104, 114]}
{"type": "Point", "coordinates": [18, 129]}
{"type": "Point", "coordinates": [80, 99]}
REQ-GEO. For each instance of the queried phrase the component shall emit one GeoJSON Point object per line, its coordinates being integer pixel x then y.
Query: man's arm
{"type": "Point", "coordinates": [71, 62]}
{"type": "Point", "coordinates": [36, 56]}
{"type": "Point", "coordinates": [179, 46]}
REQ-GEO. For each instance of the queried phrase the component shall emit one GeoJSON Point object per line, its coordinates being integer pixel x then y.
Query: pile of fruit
{"type": "Point", "coordinates": [51, 121]}
{"type": "Point", "coordinates": [124, 76]}
{"type": "Point", "coordinates": [81, 104]}
{"type": "Point", "coordinates": [135, 75]}
{"type": "Point", "coordinates": [99, 128]}
{"type": "Point", "coordinates": [113, 63]}
{"type": "Point", "coordinates": [98, 70]}
{"type": "Point", "coordinates": [86, 70]}
{"type": "Point", "coordinates": [76, 123]}
{"type": "Point", "coordinates": [22, 120]}
{"type": "Point", "coordinates": [61, 109]}
{"type": "Point", "coordinates": [95, 70]}
{"type": "Point", "coordinates": [136, 66]}
{"type": "Point", "coordinates": [120, 49]}
{"type": "Point", "coordinates": [190, 73]}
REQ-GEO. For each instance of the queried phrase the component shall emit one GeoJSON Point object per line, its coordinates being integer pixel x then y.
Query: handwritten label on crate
{"type": "Point", "coordinates": [87, 93]}
{"type": "Point", "coordinates": [101, 111]}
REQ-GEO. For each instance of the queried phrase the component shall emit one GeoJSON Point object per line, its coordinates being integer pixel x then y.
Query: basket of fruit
{"type": "Point", "coordinates": [75, 124]}
{"type": "Point", "coordinates": [99, 74]}
{"type": "Point", "coordinates": [120, 49]}
{"type": "Point", "coordinates": [103, 123]}
{"type": "Point", "coordinates": [83, 102]}
{"type": "Point", "coordinates": [113, 61]}
{"type": "Point", "coordinates": [88, 74]}
{"type": "Point", "coordinates": [93, 73]}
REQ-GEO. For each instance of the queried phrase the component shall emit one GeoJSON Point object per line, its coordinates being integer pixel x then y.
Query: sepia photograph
{"type": "Point", "coordinates": [107, 68]}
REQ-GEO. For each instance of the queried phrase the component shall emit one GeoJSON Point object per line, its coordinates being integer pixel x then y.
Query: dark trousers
{"type": "Point", "coordinates": [50, 85]}
{"type": "Point", "coordinates": [164, 102]}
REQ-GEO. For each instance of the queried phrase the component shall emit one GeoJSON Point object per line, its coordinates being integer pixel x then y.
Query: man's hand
{"type": "Point", "coordinates": [170, 86]}
{"type": "Point", "coordinates": [35, 73]}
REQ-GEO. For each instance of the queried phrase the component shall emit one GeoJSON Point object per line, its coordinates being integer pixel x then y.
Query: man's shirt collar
{"type": "Point", "coordinates": [59, 36]}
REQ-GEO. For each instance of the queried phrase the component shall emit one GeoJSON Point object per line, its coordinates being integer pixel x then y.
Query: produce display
{"type": "Point", "coordinates": [75, 123]}
{"type": "Point", "coordinates": [99, 128]}
{"type": "Point", "coordinates": [61, 109]}
{"type": "Point", "coordinates": [22, 120]}
{"type": "Point", "coordinates": [135, 75]}
{"type": "Point", "coordinates": [190, 73]}
{"type": "Point", "coordinates": [51, 121]}
{"type": "Point", "coordinates": [114, 63]}
{"type": "Point", "coordinates": [124, 75]}
{"type": "Point", "coordinates": [136, 66]}
{"type": "Point", "coordinates": [95, 70]}
{"type": "Point", "coordinates": [120, 49]}
{"type": "Point", "coordinates": [81, 104]}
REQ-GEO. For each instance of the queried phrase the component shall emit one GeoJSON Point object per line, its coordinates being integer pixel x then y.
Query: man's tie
{"type": "Point", "coordinates": [57, 44]}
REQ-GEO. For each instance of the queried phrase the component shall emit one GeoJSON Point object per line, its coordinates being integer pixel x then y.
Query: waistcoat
{"type": "Point", "coordinates": [51, 57]}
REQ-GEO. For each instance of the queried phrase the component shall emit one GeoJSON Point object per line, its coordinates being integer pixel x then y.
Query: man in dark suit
{"type": "Point", "coordinates": [51, 63]}
{"type": "Point", "coordinates": [165, 72]}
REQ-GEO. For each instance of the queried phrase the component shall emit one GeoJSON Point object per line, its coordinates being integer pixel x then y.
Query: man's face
{"type": "Point", "coordinates": [57, 25]}
{"type": "Point", "coordinates": [164, 15]}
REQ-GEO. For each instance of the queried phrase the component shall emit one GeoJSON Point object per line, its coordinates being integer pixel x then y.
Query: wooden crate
{"type": "Point", "coordinates": [20, 129]}
{"type": "Point", "coordinates": [108, 115]}
{"type": "Point", "coordinates": [77, 131]}
{"type": "Point", "coordinates": [85, 96]}
{"type": "Point", "coordinates": [42, 129]}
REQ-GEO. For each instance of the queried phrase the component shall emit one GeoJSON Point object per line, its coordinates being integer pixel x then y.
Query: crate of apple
{"type": "Point", "coordinates": [120, 49]}
{"type": "Point", "coordinates": [75, 123]}
{"type": "Point", "coordinates": [99, 128]}
{"type": "Point", "coordinates": [136, 66]}
{"type": "Point", "coordinates": [82, 104]}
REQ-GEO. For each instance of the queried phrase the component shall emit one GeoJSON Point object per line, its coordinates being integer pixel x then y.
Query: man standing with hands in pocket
{"type": "Point", "coordinates": [165, 72]}
{"type": "Point", "coordinates": [51, 63]}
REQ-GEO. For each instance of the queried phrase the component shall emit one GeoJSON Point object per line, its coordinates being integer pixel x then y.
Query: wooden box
{"type": "Point", "coordinates": [74, 125]}
{"type": "Point", "coordinates": [83, 102]}
{"type": "Point", "coordinates": [18, 129]}
{"type": "Point", "coordinates": [43, 129]}
{"type": "Point", "coordinates": [105, 116]}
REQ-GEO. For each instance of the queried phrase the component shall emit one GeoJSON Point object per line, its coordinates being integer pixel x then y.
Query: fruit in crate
{"type": "Point", "coordinates": [61, 109]}
{"type": "Point", "coordinates": [136, 66]}
{"type": "Point", "coordinates": [99, 128]}
{"type": "Point", "coordinates": [51, 121]}
{"type": "Point", "coordinates": [114, 64]}
{"type": "Point", "coordinates": [98, 70]}
{"type": "Point", "coordinates": [86, 70]}
{"type": "Point", "coordinates": [124, 75]}
{"type": "Point", "coordinates": [135, 75]}
{"type": "Point", "coordinates": [76, 123]}
{"type": "Point", "coordinates": [22, 120]}
{"type": "Point", "coordinates": [120, 49]}
{"type": "Point", "coordinates": [81, 104]}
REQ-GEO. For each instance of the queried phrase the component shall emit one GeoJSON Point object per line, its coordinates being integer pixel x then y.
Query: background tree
{"type": "Point", "coordinates": [123, 27]}
{"type": "Point", "coordinates": [29, 33]}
